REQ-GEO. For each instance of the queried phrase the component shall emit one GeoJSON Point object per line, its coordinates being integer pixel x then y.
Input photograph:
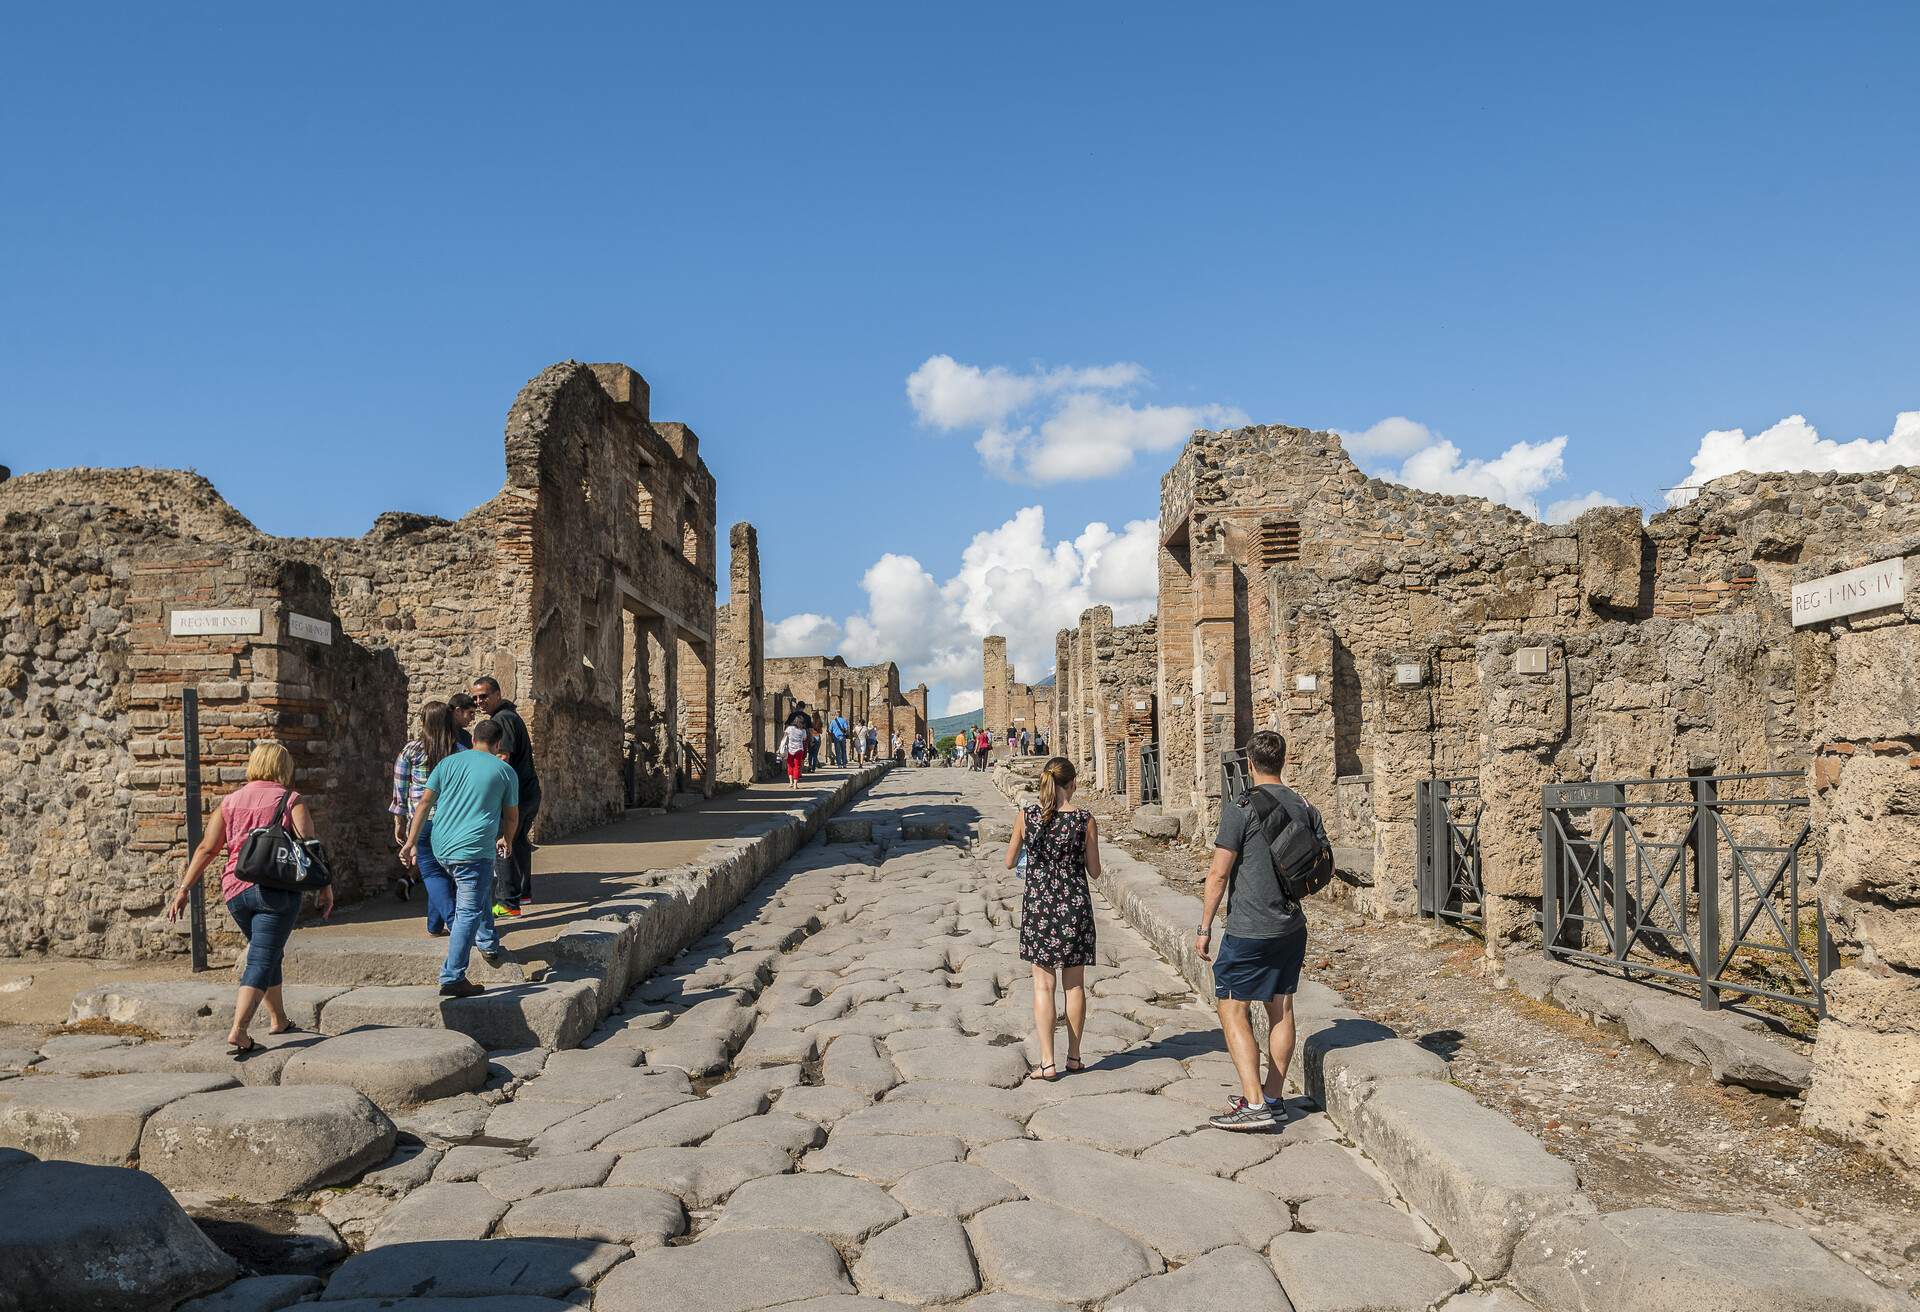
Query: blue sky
{"type": "Point", "coordinates": [314, 253]}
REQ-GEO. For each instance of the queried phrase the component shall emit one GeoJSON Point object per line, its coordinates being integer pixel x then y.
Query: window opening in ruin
{"type": "Point", "coordinates": [690, 533]}
{"type": "Point", "coordinates": [643, 504]}
{"type": "Point", "coordinates": [1279, 541]}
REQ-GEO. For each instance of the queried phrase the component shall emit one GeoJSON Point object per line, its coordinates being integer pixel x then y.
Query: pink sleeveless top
{"type": "Point", "coordinates": [245, 809]}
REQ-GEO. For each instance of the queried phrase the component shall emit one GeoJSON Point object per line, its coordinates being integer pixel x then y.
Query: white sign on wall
{"type": "Point", "coordinates": [1306, 683]}
{"type": "Point", "coordinates": [1409, 675]}
{"type": "Point", "coordinates": [1870, 587]}
{"type": "Point", "coordinates": [214, 623]}
{"type": "Point", "coordinates": [313, 630]}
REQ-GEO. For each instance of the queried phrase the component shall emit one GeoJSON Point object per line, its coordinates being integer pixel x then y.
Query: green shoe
{"type": "Point", "coordinates": [502, 909]}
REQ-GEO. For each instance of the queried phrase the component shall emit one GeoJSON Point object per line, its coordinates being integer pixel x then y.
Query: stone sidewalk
{"type": "Point", "coordinates": [823, 1104]}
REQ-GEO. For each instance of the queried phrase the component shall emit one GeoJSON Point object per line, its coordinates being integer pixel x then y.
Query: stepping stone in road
{"type": "Point", "coordinates": [540, 1175]}
{"type": "Point", "coordinates": [1231, 1277]}
{"type": "Point", "coordinates": [725, 1273]}
{"type": "Point", "coordinates": [545, 1268]}
{"type": "Point", "coordinates": [639, 1218]}
{"type": "Point", "coordinates": [1043, 1252]}
{"type": "Point", "coordinates": [882, 1158]}
{"type": "Point", "coordinates": [952, 1189]}
{"type": "Point", "coordinates": [265, 1144]}
{"type": "Point", "coordinates": [435, 1213]}
{"type": "Point", "coordinates": [394, 1068]}
{"type": "Point", "coordinates": [1332, 1272]}
{"type": "Point", "coordinates": [843, 1209]}
{"type": "Point", "coordinates": [699, 1177]}
{"type": "Point", "coordinates": [1356, 1216]}
{"type": "Point", "coordinates": [1117, 1122]}
{"type": "Point", "coordinates": [94, 1121]}
{"type": "Point", "coordinates": [1314, 1170]}
{"type": "Point", "coordinates": [924, 1259]}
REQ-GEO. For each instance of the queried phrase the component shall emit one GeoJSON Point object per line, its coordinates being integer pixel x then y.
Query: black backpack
{"type": "Point", "coordinates": [273, 857]}
{"type": "Point", "coordinates": [1302, 863]}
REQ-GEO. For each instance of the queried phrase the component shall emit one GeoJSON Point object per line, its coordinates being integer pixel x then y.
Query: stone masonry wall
{"type": "Point", "coordinates": [742, 693]}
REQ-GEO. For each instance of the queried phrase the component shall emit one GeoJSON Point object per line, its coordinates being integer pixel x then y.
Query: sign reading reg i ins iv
{"type": "Point", "coordinates": [1870, 587]}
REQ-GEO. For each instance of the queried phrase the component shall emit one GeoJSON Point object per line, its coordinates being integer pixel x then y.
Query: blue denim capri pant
{"type": "Point", "coordinates": [265, 916]}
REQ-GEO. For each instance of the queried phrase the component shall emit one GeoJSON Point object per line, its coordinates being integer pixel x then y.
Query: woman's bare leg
{"type": "Point", "coordinates": [1075, 979]}
{"type": "Point", "coordinates": [1043, 1013]}
{"type": "Point", "coordinates": [276, 1009]}
{"type": "Point", "coordinates": [245, 1003]}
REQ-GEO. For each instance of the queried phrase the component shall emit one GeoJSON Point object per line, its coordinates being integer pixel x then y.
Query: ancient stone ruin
{"type": "Point", "coordinates": [827, 686]}
{"type": "Point", "coordinates": [1417, 646]}
{"type": "Point", "coordinates": [586, 587]}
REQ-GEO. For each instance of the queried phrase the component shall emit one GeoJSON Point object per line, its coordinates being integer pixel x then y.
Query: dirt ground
{"type": "Point", "coordinates": [1641, 1130]}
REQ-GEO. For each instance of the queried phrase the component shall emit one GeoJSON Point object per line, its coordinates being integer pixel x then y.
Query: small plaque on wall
{"type": "Point", "coordinates": [213, 623]}
{"type": "Point", "coordinates": [1179, 701]}
{"type": "Point", "coordinates": [1218, 698]}
{"type": "Point", "coordinates": [1530, 660]}
{"type": "Point", "coordinates": [1409, 675]}
{"type": "Point", "coordinates": [313, 630]}
{"type": "Point", "coordinates": [1306, 683]}
{"type": "Point", "coordinates": [1140, 706]}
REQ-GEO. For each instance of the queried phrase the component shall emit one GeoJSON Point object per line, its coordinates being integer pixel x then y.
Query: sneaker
{"type": "Point", "coordinates": [495, 959]}
{"type": "Point", "coordinates": [460, 988]}
{"type": "Point", "coordinates": [502, 909]}
{"type": "Point", "coordinates": [1278, 1109]}
{"type": "Point", "coordinates": [1240, 1115]}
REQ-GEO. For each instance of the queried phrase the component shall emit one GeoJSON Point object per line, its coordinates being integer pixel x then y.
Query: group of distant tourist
{"type": "Point", "coordinates": [465, 794]}
{"type": "Point", "coordinates": [973, 747]}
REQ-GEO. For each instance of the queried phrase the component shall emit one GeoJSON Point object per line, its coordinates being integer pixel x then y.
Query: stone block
{"type": "Point", "coordinates": [555, 1015]}
{"type": "Point", "coordinates": [265, 1144]}
{"type": "Point", "coordinates": [394, 1068]}
{"type": "Point", "coordinates": [97, 1121]}
{"type": "Point", "coordinates": [473, 1271]}
{"type": "Point", "coordinates": [346, 961]}
{"type": "Point", "coordinates": [1344, 1059]}
{"type": "Point", "coordinates": [1330, 1272]}
{"type": "Point", "coordinates": [726, 1273]}
{"type": "Point", "coordinates": [186, 1008]}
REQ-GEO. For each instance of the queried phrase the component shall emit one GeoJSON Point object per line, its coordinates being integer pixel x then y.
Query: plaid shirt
{"type": "Point", "coordinates": [410, 771]}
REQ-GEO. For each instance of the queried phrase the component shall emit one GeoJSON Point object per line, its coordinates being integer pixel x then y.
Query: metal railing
{"type": "Point", "coordinates": [1678, 879]}
{"type": "Point", "coordinates": [1234, 779]}
{"type": "Point", "coordinates": [1150, 773]}
{"type": "Point", "coordinates": [1447, 848]}
{"type": "Point", "coordinates": [1119, 771]}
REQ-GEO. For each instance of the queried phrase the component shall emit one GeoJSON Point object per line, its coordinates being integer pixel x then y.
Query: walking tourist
{"type": "Point", "coordinates": [474, 799]}
{"type": "Point", "coordinates": [837, 732]}
{"type": "Point", "coordinates": [513, 877]}
{"type": "Point", "coordinates": [438, 740]}
{"type": "Point", "coordinates": [793, 748]}
{"type": "Point", "coordinates": [1026, 743]}
{"type": "Point", "coordinates": [982, 748]}
{"type": "Point", "coordinates": [1056, 911]}
{"type": "Point", "coordinates": [813, 743]}
{"type": "Point", "coordinates": [265, 915]}
{"type": "Point", "coordinates": [920, 749]}
{"type": "Point", "coordinates": [873, 742]}
{"type": "Point", "coordinates": [893, 748]}
{"type": "Point", "coordinates": [1265, 942]}
{"type": "Point", "coordinates": [463, 710]}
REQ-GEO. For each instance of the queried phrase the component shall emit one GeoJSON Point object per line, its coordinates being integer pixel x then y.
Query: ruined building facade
{"type": "Point", "coordinates": [586, 587]}
{"type": "Point", "coordinates": [1006, 703]}
{"type": "Point", "coordinates": [827, 686]}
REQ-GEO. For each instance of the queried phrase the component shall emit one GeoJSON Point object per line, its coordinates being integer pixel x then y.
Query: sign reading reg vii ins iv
{"type": "Point", "coordinates": [1870, 587]}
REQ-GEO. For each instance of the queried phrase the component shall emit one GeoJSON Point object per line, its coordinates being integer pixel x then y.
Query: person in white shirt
{"type": "Point", "coordinates": [793, 746]}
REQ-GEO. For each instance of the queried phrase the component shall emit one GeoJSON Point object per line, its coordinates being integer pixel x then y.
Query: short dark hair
{"type": "Point", "coordinates": [461, 701]}
{"type": "Point", "coordinates": [487, 733]}
{"type": "Point", "coordinates": [1267, 752]}
{"type": "Point", "coordinates": [488, 682]}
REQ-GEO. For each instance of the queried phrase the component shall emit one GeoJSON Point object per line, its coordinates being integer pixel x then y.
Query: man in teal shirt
{"type": "Point", "coordinates": [473, 799]}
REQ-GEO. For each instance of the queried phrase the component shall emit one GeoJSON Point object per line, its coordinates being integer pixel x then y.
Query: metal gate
{"type": "Point", "coordinates": [1119, 775]}
{"type": "Point", "coordinates": [1447, 848]}
{"type": "Point", "coordinates": [1234, 779]}
{"type": "Point", "coordinates": [1695, 879]}
{"type": "Point", "coordinates": [1150, 773]}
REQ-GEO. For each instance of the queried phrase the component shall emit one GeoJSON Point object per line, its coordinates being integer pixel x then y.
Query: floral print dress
{"type": "Point", "coordinates": [1056, 912]}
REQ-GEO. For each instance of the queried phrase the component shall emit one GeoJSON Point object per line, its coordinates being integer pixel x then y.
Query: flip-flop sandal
{"type": "Point", "coordinates": [1040, 1074]}
{"type": "Point", "coordinates": [237, 1051]}
{"type": "Point", "coordinates": [1074, 1065]}
{"type": "Point", "coordinates": [290, 1029]}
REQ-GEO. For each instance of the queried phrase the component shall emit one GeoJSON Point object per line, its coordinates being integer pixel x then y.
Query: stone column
{"type": "Point", "coordinates": [1524, 722]}
{"type": "Point", "coordinates": [1401, 738]}
{"type": "Point", "coordinates": [663, 697]}
{"type": "Point", "coordinates": [1059, 737]}
{"type": "Point", "coordinates": [993, 685]}
{"type": "Point", "coordinates": [1215, 677]}
{"type": "Point", "coordinates": [741, 676]}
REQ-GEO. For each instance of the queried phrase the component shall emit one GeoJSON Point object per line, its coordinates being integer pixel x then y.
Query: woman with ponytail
{"type": "Point", "coordinates": [1056, 911]}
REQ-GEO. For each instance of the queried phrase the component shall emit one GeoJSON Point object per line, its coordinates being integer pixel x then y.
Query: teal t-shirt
{"type": "Point", "coordinates": [469, 788]}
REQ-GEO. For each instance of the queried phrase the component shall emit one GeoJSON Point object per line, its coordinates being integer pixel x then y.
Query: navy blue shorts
{"type": "Point", "coordinates": [1255, 969]}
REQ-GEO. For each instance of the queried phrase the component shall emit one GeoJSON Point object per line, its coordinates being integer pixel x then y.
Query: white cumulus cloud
{"type": "Point", "coordinates": [963, 701]}
{"type": "Point", "coordinates": [1516, 477]}
{"type": "Point", "coordinates": [1012, 580]}
{"type": "Point", "coordinates": [1052, 425]}
{"type": "Point", "coordinates": [1395, 435]}
{"type": "Point", "coordinates": [805, 634]}
{"type": "Point", "coordinates": [1565, 512]}
{"type": "Point", "coordinates": [1793, 444]}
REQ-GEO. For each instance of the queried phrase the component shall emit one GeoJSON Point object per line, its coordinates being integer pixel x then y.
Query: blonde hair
{"type": "Point", "coordinates": [1056, 776]}
{"type": "Point", "coordinates": [271, 761]}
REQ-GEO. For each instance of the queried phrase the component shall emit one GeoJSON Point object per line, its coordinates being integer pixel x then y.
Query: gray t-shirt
{"type": "Point", "coordinates": [1257, 907]}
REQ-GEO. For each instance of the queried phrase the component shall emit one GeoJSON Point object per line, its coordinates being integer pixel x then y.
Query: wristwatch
{"type": "Point", "coordinates": [1204, 929]}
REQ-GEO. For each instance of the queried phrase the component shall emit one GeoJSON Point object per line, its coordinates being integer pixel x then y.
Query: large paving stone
{"type": "Point", "coordinates": [953, 1189]}
{"type": "Point", "coordinates": [394, 1068]}
{"type": "Point", "coordinates": [1224, 1153]}
{"type": "Point", "coordinates": [553, 1015]}
{"type": "Point", "coordinates": [725, 1273]}
{"type": "Point", "coordinates": [794, 1134]}
{"type": "Point", "coordinates": [883, 1158]}
{"type": "Point", "coordinates": [589, 1126]}
{"type": "Point", "coordinates": [489, 1303]}
{"type": "Point", "coordinates": [1357, 1273]}
{"type": "Point", "coordinates": [639, 1218]}
{"type": "Point", "coordinates": [1314, 1170]}
{"type": "Point", "coordinates": [699, 1177]}
{"type": "Point", "coordinates": [355, 960]}
{"type": "Point", "coordinates": [589, 1086]}
{"type": "Point", "coordinates": [1651, 1259]}
{"type": "Point", "coordinates": [439, 1213]}
{"type": "Point", "coordinates": [854, 1061]}
{"type": "Point", "coordinates": [973, 1063]}
{"type": "Point", "coordinates": [924, 1259]}
{"type": "Point", "coordinates": [1043, 1252]}
{"type": "Point", "coordinates": [96, 1121]}
{"type": "Point", "coordinates": [187, 1008]}
{"type": "Point", "coordinates": [257, 1294]}
{"type": "Point", "coordinates": [539, 1175]}
{"type": "Point", "coordinates": [100, 1238]}
{"type": "Point", "coordinates": [1344, 1060]}
{"type": "Point", "coordinates": [471, 1270]}
{"type": "Point", "coordinates": [822, 1103]}
{"type": "Point", "coordinates": [969, 1125]}
{"type": "Point", "coordinates": [1477, 1178]}
{"type": "Point", "coordinates": [1231, 1277]}
{"type": "Point", "coordinates": [265, 1144]}
{"type": "Point", "coordinates": [686, 1123]}
{"type": "Point", "coordinates": [841, 1208]}
{"type": "Point", "coordinates": [1117, 1122]}
{"type": "Point", "coordinates": [1356, 1216]}
{"type": "Point", "coordinates": [1132, 1196]}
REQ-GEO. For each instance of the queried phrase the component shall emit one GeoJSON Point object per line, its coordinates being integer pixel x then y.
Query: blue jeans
{"type": "Point", "coordinates": [265, 916]}
{"type": "Point", "coordinates": [840, 751]}
{"type": "Point", "coordinates": [438, 883]}
{"type": "Point", "coordinates": [472, 916]}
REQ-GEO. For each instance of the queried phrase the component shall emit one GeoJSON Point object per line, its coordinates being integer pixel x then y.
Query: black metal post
{"type": "Point", "coordinates": [1706, 877]}
{"type": "Point", "coordinates": [1619, 936]}
{"type": "Point", "coordinates": [1549, 879]}
{"type": "Point", "coordinates": [190, 744]}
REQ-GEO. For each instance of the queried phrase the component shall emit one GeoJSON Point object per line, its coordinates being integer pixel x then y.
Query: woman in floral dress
{"type": "Point", "coordinates": [1056, 911]}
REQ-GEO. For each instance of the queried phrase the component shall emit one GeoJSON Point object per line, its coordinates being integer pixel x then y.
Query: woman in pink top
{"type": "Point", "coordinates": [265, 915]}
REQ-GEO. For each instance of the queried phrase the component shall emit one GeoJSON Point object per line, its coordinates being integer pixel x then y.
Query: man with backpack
{"type": "Point", "coordinates": [1272, 850]}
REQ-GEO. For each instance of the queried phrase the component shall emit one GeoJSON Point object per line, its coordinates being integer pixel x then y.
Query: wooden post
{"type": "Point", "coordinates": [190, 736]}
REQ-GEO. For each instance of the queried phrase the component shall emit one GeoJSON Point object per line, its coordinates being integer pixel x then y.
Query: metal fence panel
{"type": "Point", "coordinates": [1447, 848]}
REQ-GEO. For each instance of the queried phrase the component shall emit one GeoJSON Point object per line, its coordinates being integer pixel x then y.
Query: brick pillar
{"type": "Point", "coordinates": [1214, 678]}
{"type": "Point", "coordinates": [993, 685]}
{"type": "Point", "coordinates": [741, 676]}
{"type": "Point", "coordinates": [1524, 723]}
{"type": "Point", "coordinates": [1058, 734]}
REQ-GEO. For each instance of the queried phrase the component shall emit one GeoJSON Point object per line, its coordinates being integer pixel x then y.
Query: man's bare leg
{"type": "Point", "coordinates": [1236, 1023]}
{"type": "Point", "coordinates": [1280, 1034]}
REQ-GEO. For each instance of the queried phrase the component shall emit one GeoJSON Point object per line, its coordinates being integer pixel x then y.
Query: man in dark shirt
{"type": "Point", "coordinates": [513, 874]}
{"type": "Point", "coordinates": [1265, 942]}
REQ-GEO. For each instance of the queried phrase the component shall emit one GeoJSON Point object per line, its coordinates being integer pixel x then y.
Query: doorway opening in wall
{"type": "Point", "coordinates": [633, 700]}
{"type": "Point", "coordinates": [1349, 713]}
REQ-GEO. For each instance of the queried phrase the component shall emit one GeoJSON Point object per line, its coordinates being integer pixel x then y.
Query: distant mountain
{"type": "Point", "coordinates": [948, 725]}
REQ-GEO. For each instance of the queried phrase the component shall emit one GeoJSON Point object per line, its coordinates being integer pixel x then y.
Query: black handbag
{"type": "Point", "coordinates": [274, 857]}
{"type": "Point", "coordinates": [1302, 863]}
